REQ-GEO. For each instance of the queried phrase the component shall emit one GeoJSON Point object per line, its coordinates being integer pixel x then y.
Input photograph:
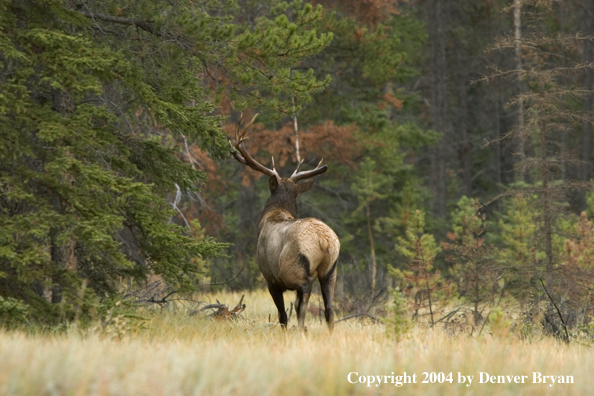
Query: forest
{"type": "Point", "coordinates": [457, 135]}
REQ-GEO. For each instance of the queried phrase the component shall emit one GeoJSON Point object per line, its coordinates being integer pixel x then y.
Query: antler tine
{"type": "Point", "coordinates": [298, 167]}
{"type": "Point", "coordinates": [240, 153]}
{"type": "Point", "coordinates": [273, 166]}
{"type": "Point", "coordinates": [296, 176]}
{"type": "Point", "coordinates": [234, 152]}
{"type": "Point", "coordinates": [237, 127]}
{"type": "Point", "coordinates": [249, 124]}
{"type": "Point", "coordinates": [240, 137]}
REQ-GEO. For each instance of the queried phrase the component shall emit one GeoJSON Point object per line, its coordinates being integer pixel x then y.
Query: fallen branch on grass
{"type": "Point", "coordinates": [221, 311]}
{"type": "Point", "coordinates": [366, 311]}
{"type": "Point", "coordinates": [374, 319]}
{"type": "Point", "coordinates": [150, 294]}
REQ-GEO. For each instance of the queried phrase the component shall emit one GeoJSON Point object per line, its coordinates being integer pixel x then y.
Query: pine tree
{"type": "Point", "coordinates": [474, 266]}
{"type": "Point", "coordinates": [420, 249]}
{"type": "Point", "coordinates": [399, 325]}
{"type": "Point", "coordinates": [370, 185]}
{"type": "Point", "coordinates": [519, 250]}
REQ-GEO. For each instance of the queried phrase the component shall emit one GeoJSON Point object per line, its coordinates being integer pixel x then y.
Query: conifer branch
{"type": "Point", "coordinates": [144, 25]}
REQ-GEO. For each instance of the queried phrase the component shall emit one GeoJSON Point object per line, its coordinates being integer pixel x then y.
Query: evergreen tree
{"type": "Point", "coordinates": [475, 269]}
{"type": "Point", "coordinates": [399, 325]}
{"type": "Point", "coordinates": [369, 186]}
{"type": "Point", "coordinates": [519, 247]}
{"type": "Point", "coordinates": [420, 249]}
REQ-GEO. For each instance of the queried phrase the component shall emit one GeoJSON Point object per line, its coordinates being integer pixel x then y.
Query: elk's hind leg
{"type": "Point", "coordinates": [303, 294]}
{"type": "Point", "coordinates": [277, 296]}
{"type": "Point", "coordinates": [303, 291]}
{"type": "Point", "coordinates": [327, 283]}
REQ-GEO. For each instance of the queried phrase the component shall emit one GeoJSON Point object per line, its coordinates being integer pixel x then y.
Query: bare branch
{"type": "Point", "coordinates": [223, 283]}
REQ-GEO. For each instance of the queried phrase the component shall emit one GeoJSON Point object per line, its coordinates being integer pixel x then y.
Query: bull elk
{"type": "Point", "coordinates": [292, 252]}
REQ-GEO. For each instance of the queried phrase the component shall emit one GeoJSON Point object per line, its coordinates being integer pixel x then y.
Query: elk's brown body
{"type": "Point", "coordinates": [293, 252]}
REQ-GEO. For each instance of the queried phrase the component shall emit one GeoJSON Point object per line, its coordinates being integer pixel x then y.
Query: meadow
{"type": "Point", "coordinates": [178, 354]}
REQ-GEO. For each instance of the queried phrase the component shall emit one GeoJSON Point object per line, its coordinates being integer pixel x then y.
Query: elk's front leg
{"type": "Point", "coordinates": [277, 296]}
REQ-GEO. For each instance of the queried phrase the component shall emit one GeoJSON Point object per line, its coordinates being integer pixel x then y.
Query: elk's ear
{"type": "Point", "coordinates": [273, 183]}
{"type": "Point", "coordinates": [304, 186]}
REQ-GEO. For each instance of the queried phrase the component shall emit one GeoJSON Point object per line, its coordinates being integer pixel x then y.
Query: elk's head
{"type": "Point", "coordinates": [283, 191]}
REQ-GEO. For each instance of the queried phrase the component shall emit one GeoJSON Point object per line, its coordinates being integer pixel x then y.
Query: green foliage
{"type": "Point", "coordinates": [279, 44]}
{"type": "Point", "coordinates": [368, 57]}
{"type": "Point", "coordinates": [498, 322]}
{"type": "Point", "coordinates": [399, 216]}
{"type": "Point", "coordinates": [370, 184]}
{"type": "Point", "coordinates": [119, 319]}
{"type": "Point", "coordinates": [590, 202]}
{"type": "Point", "coordinates": [416, 237]}
{"type": "Point", "coordinates": [13, 312]}
{"type": "Point", "coordinates": [466, 222]}
{"type": "Point", "coordinates": [420, 249]}
{"type": "Point", "coordinates": [517, 230]}
{"type": "Point", "coordinates": [519, 245]}
{"type": "Point", "coordinates": [474, 266]}
{"type": "Point", "coordinates": [400, 325]}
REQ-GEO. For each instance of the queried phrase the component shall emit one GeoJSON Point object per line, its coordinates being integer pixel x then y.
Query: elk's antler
{"type": "Point", "coordinates": [243, 156]}
{"type": "Point", "coordinates": [296, 176]}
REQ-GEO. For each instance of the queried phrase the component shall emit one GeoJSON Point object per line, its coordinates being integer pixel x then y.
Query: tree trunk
{"type": "Point", "coordinates": [498, 167]}
{"type": "Point", "coordinates": [588, 97]}
{"type": "Point", "coordinates": [520, 141]}
{"type": "Point", "coordinates": [296, 129]}
{"type": "Point", "coordinates": [372, 246]}
{"type": "Point", "coordinates": [439, 106]}
{"type": "Point", "coordinates": [464, 150]}
{"type": "Point", "coordinates": [544, 173]}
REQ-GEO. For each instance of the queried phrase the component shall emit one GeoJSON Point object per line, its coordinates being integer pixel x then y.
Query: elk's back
{"type": "Point", "coordinates": [283, 245]}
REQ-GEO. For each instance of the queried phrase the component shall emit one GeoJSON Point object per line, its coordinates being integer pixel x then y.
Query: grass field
{"type": "Point", "coordinates": [177, 354]}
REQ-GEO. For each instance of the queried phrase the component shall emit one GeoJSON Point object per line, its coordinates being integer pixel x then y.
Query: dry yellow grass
{"type": "Point", "coordinates": [181, 355]}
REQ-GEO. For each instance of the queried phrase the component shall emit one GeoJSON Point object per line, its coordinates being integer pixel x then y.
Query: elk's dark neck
{"type": "Point", "coordinates": [281, 200]}
{"type": "Point", "coordinates": [282, 204]}
{"type": "Point", "coordinates": [277, 210]}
